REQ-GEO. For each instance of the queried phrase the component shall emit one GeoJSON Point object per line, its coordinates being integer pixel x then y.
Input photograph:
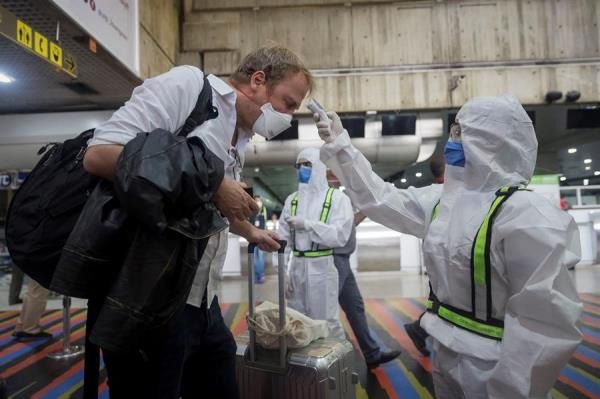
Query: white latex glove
{"type": "Point", "coordinates": [329, 131]}
{"type": "Point", "coordinates": [296, 222]}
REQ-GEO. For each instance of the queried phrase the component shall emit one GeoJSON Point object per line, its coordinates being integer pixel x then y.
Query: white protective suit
{"type": "Point", "coordinates": [314, 281]}
{"type": "Point", "coordinates": [533, 242]}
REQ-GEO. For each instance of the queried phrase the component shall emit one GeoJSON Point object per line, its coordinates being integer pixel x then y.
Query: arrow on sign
{"type": "Point", "coordinates": [69, 63]}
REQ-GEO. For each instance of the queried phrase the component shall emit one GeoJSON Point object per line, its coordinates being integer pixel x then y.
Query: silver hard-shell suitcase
{"type": "Point", "coordinates": [322, 370]}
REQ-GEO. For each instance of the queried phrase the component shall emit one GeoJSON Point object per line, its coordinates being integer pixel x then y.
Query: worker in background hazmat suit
{"type": "Point", "coordinates": [503, 309]}
{"type": "Point", "coordinates": [314, 220]}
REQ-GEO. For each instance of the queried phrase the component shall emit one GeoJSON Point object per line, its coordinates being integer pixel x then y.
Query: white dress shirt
{"type": "Point", "coordinates": [165, 102]}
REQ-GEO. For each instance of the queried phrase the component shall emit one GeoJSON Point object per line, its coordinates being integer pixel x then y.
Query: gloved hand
{"type": "Point", "coordinates": [296, 222]}
{"type": "Point", "coordinates": [329, 131]}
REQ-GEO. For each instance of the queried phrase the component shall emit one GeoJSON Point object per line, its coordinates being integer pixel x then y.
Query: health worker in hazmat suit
{"type": "Point", "coordinates": [503, 308]}
{"type": "Point", "coordinates": [314, 220]}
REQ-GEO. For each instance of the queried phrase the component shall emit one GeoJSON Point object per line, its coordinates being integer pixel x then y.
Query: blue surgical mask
{"type": "Point", "coordinates": [304, 174]}
{"type": "Point", "coordinates": [454, 153]}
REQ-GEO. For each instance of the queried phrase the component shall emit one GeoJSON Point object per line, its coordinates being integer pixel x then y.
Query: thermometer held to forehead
{"type": "Point", "coordinates": [316, 108]}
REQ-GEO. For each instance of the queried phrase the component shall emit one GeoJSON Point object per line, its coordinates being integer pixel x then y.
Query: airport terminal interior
{"type": "Point", "coordinates": [397, 74]}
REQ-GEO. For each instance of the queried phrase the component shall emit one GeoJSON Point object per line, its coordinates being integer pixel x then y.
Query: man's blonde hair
{"type": "Point", "coordinates": [277, 62]}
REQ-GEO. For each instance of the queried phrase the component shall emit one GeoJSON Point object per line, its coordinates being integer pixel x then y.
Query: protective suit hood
{"type": "Point", "coordinates": [499, 143]}
{"type": "Point", "coordinates": [318, 178]}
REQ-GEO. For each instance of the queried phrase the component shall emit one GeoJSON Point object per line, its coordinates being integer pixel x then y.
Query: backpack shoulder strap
{"type": "Point", "coordinates": [203, 111]}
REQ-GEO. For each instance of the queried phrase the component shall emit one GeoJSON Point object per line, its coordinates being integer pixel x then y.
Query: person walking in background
{"type": "Point", "coordinates": [260, 222]}
{"type": "Point", "coordinates": [16, 284]}
{"type": "Point", "coordinates": [34, 304]}
{"type": "Point", "coordinates": [350, 298]}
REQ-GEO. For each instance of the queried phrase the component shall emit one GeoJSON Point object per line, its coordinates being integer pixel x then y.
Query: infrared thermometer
{"type": "Point", "coordinates": [316, 108]}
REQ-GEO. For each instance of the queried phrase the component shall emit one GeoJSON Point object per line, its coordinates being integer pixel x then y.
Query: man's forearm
{"type": "Point", "coordinates": [101, 160]}
{"type": "Point", "coordinates": [359, 217]}
{"type": "Point", "coordinates": [242, 228]}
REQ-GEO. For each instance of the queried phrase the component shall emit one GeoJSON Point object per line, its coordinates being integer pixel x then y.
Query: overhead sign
{"type": "Point", "coordinates": [56, 56]}
{"type": "Point", "coordinates": [6, 180]}
{"type": "Point", "coordinates": [112, 23]}
{"type": "Point", "coordinates": [40, 45]}
{"type": "Point", "coordinates": [22, 33]}
{"type": "Point", "coordinates": [69, 63]}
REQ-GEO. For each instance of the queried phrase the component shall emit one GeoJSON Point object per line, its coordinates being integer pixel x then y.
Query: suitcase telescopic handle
{"type": "Point", "coordinates": [281, 291]}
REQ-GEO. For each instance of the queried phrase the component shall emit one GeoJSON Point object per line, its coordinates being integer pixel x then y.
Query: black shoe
{"type": "Point", "coordinates": [15, 302]}
{"type": "Point", "coordinates": [383, 357]}
{"type": "Point", "coordinates": [417, 338]}
{"type": "Point", "coordinates": [24, 336]}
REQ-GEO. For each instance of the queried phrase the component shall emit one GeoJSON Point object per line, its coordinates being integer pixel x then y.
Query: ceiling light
{"type": "Point", "coordinates": [588, 168]}
{"type": "Point", "coordinates": [562, 178]}
{"type": "Point", "coordinates": [418, 174]}
{"type": "Point", "coordinates": [5, 78]}
{"type": "Point", "coordinates": [572, 150]}
{"type": "Point", "coordinates": [256, 170]}
{"type": "Point", "coordinates": [586, 161]}
{"type": "Point", "coordinates": [402, 180]}
{"type": "Point", "coordinates": [597, 173]}
{"type": "Point", "coordinates": [586, 182]}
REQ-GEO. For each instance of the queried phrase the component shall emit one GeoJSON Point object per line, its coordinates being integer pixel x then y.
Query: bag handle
{"type": "Point", "coordinates": [281, 283]}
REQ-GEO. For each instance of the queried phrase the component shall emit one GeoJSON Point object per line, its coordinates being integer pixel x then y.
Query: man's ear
{"type": "Point", "coordinates": [258, 78]}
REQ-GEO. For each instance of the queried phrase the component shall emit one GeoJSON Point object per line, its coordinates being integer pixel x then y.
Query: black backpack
{"type": "Point", "coordinates": [46, 207]}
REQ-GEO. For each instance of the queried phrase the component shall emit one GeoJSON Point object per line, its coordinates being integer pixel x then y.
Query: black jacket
{"type": "Point", "coordinates": [139, 239]}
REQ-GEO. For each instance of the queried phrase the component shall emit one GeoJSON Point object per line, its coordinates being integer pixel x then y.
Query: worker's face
{"type": "Point", "coordinates": [332, 179]}
{"type": "Point", "coordinates": [303, 162]}
{"type": "Point", "coordinates": [455, 132]}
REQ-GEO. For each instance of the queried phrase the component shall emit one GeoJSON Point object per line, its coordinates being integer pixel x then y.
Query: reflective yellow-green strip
{"type": "Point", "coordinates": [326, 206]}
{"type": "Point", "coordinates": [470, 324]}
{"type": "Point", "coordinates": [479, 258]}
{"type": "Point", "coordinates": [466, 322]}
{"type": "Point", "coordinates": [313, 254]}
{"type": "Point", "coordinates": [294, 204]}
{"type": "Point", "coordinates": [436, 210]}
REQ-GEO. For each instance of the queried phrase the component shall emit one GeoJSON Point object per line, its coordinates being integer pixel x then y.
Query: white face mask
{"type": "Point", "coordinates": [270, 122]}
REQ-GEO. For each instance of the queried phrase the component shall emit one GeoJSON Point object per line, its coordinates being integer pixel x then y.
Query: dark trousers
{"type": "Point", "coordinates": [210, 350]}
{"type": "Point", "coordinates": [352, 304]}
{"type": "Point", "coordinates": [418, 329]}
{"type": "Point", "coordinates": [152, 369]}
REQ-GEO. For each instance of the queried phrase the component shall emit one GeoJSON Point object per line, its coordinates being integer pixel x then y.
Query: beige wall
{"type": "Point", "coordinates": [411, 54]}
{"type": "Point", "coordinates": [159, 36]}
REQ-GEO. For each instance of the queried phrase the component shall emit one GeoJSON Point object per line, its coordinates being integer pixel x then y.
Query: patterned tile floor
{"type": "Point", "coordinates": [31, 374]}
